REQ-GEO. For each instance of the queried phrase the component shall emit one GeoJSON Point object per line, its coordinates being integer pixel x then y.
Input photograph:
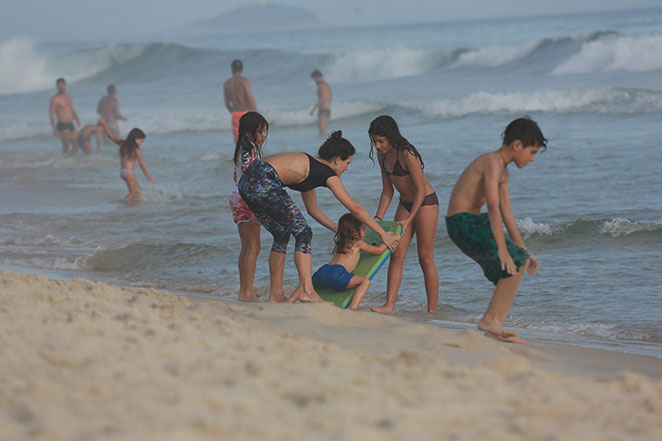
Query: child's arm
{"type": "Point", "coordinates": [108, 132]}
{"type": "Point", "coordinates": [310, 202]}
{"type": "Point", "coordinates": [338, 189]}
{"type": "Point", "coordinates": [493, 171]}
{"type": "Point", "coordinates": [51, 115]}
{"type": "Point", "coordinates": [139, 155]}
{"type": "Point", "coordinates": [372, 249]}
{"type": "Point", "coordinates": [387, 191]}
{"type": "Point", "coordinates": [511, 224]}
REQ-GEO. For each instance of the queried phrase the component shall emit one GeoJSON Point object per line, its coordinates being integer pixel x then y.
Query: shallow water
{"type": "Point", "coordinates": [589, 207]}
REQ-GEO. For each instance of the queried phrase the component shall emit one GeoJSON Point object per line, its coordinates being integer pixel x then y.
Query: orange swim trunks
{"type": "Point", "coordinates": [236, 116]}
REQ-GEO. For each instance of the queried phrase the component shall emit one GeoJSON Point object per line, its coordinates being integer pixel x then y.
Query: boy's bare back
{"type": "Point", "coordinates": [469, 193]}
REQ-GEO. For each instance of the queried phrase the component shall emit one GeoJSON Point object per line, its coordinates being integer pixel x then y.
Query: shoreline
{"type": "Point", "coordinates": [458, 326]}
{"type": "Point", "coordinates": [85, 359]}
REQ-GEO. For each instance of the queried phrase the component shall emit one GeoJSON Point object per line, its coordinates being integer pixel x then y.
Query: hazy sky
{"type": "Point", "coordinates": [113, 19]}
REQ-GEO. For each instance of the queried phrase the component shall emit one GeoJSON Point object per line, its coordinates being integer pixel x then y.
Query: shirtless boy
{"type": "Point", "coordinates": [109, 109]}
{"type": "Point", "coordinates": [238, 96]}
{"type": "Point", "coordinates": [480, 236]}
{"type": "Point", "coordinates": [62, 109]}
{"type": "Point", "coordinates": [323, 104]}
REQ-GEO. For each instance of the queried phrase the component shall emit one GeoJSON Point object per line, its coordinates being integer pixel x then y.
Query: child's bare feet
{"type": "Point", "coordinates": [302, 296]}
{"type": "Point", "coordinates": [248, 298]}
{"type": "Point", "coordinates": [509, 339]}
{"type": "Point", "coordinates": [383, 310]}
{"type": "Point", "coordinates": [495, 328]}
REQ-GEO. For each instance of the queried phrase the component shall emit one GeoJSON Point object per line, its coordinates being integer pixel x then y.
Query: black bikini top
{"type": "Point", "coordinates": [397, 168]}
{"type": "Point", "coordinates": [317, 175]}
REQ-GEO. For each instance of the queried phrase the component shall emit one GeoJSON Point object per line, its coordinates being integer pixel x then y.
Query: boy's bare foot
{"type": "Point", "coordinates": [383, 310]}
{"type": "Point", "coordinates": [510, 339]}
{"type": "Point", "coordinates": [495, 328]}
{"type": "Point", "coordinates": [305, 297]}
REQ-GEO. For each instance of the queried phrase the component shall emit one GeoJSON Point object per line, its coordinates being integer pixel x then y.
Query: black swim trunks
{"type": "Point", "coordinates": [65, 126]}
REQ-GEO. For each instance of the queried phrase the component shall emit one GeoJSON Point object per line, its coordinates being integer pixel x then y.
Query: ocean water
{"type": "Point", "coordinates": [590, 207]}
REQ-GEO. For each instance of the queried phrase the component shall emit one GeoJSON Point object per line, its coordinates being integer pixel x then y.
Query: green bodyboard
{"type": "Point", "coordinates": [368, 265]}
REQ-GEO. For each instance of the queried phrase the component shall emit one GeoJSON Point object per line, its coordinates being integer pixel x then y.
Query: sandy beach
{"type": "Point", "coordinates": [82, 360]}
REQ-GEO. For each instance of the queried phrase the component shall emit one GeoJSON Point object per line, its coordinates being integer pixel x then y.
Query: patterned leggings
{"type": "Point", "coordinates": [263, 192]}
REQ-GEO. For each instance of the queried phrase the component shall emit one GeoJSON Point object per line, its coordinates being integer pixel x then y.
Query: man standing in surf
{"type": "Point", "coordinates": [109, 109]}
{"type": "Point", "coordinates": [238, 96]}
{"type": "Point", "coordinates": [62, 109]}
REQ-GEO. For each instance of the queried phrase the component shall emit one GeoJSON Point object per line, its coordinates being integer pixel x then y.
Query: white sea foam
{"type": "Point", "coordinates": [378, 63]}
{"type": "Point", "coordinates": [22, 69]}
{"type": "Point", "coordinates": [493, 56]}
{"type": "Point", "coordinates": [614, 53]}
{"type": "Point", "coordinates": [561, 101]}
{"type": "Point", "coordinates": [528, 227]}
{"type": "Point", "coordinates": [623, 227]}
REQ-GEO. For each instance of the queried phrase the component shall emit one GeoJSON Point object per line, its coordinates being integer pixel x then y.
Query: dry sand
{"type": "Point", "coordinates": [81, 360]}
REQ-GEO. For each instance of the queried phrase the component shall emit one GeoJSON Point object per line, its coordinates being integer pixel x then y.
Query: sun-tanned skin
{"type": "Point", "coordinates": [349, 260]}
{"type": "Point", "coordinates": [135, 194]}
{"type": "Point", "coordinates": [485, 180]}
{"type": "Point", "coordinates": [422, 220]}
{"type": "Point", "coordinates": [62, 108]}
{"type": "Point", "coordinates": [323, 102]}
{"type": "Point", "coordinates": [109, 109]}
{"type": "Point", "coordinates": [87, 132]}
{"type": "Point", "coordinates": [249, 234]}
{"type": "Point", "coordinates": [294, 168]}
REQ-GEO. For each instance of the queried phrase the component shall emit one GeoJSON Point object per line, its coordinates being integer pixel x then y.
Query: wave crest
{"type": "Point", "coordinates": [612, 52]}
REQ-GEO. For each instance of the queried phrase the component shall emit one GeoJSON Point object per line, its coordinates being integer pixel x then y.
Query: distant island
{"type": "Point", "coordinates": [270, 16]}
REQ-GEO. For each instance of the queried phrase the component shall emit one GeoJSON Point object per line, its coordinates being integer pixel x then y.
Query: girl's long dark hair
{"type": "Point", "coordinates": [250, 123]}
{"type": "Point", "coordinates": [349, 232]}
{"type": "Point", "coordinates": [387, 127]}
{"type": "Point", "coordinates": [129, 146]}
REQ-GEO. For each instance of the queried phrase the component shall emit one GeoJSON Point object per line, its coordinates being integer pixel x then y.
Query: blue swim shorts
{"type": "Point", "coordinates": [332, 276]}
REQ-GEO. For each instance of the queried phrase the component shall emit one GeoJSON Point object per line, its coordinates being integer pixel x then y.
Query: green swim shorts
{"type": "Point", "coordinates": [473, 235]}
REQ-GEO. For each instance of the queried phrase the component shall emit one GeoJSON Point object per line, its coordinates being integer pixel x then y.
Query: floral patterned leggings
{"type": "Point", "coordinates": [262, 190]}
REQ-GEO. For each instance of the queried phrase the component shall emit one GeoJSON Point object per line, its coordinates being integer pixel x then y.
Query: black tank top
{"type": "Point", "coordinates": [318, 173]}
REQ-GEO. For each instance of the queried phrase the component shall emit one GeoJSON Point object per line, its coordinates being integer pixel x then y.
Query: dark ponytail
{"type": "Point", "coordinates": [387, 127]}
{"type": "Point", "coordinates": [336, 146]}
{"type": "Point", "coordinates": [250, 123]}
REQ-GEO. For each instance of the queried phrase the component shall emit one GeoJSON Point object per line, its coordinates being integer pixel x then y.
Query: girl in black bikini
{"type": "Point", "coordinates": [402, 166]}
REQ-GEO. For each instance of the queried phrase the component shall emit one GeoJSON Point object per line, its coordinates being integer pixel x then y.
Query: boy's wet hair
{"type": "Point", "coordinates": [111, 89]}
{"type": "Point", "coordinates": [525, 130]}
{"type": "Point", "coordinates": [336, 146]}
{"type": "Point", "coordinates": [249, 123]}
{"type": "Point", "coordinates": [386, 126]}
{"type": "Point", "coordinates": [237, 66]}
{"type": "Point", "coordinates": [129, 146]}
{"type": "Point", "coordinates": [60, 80]}
{"type": "Point", "coordinates": [315, 74]}
{"type": "Point", "coordinates": [349, 232]}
